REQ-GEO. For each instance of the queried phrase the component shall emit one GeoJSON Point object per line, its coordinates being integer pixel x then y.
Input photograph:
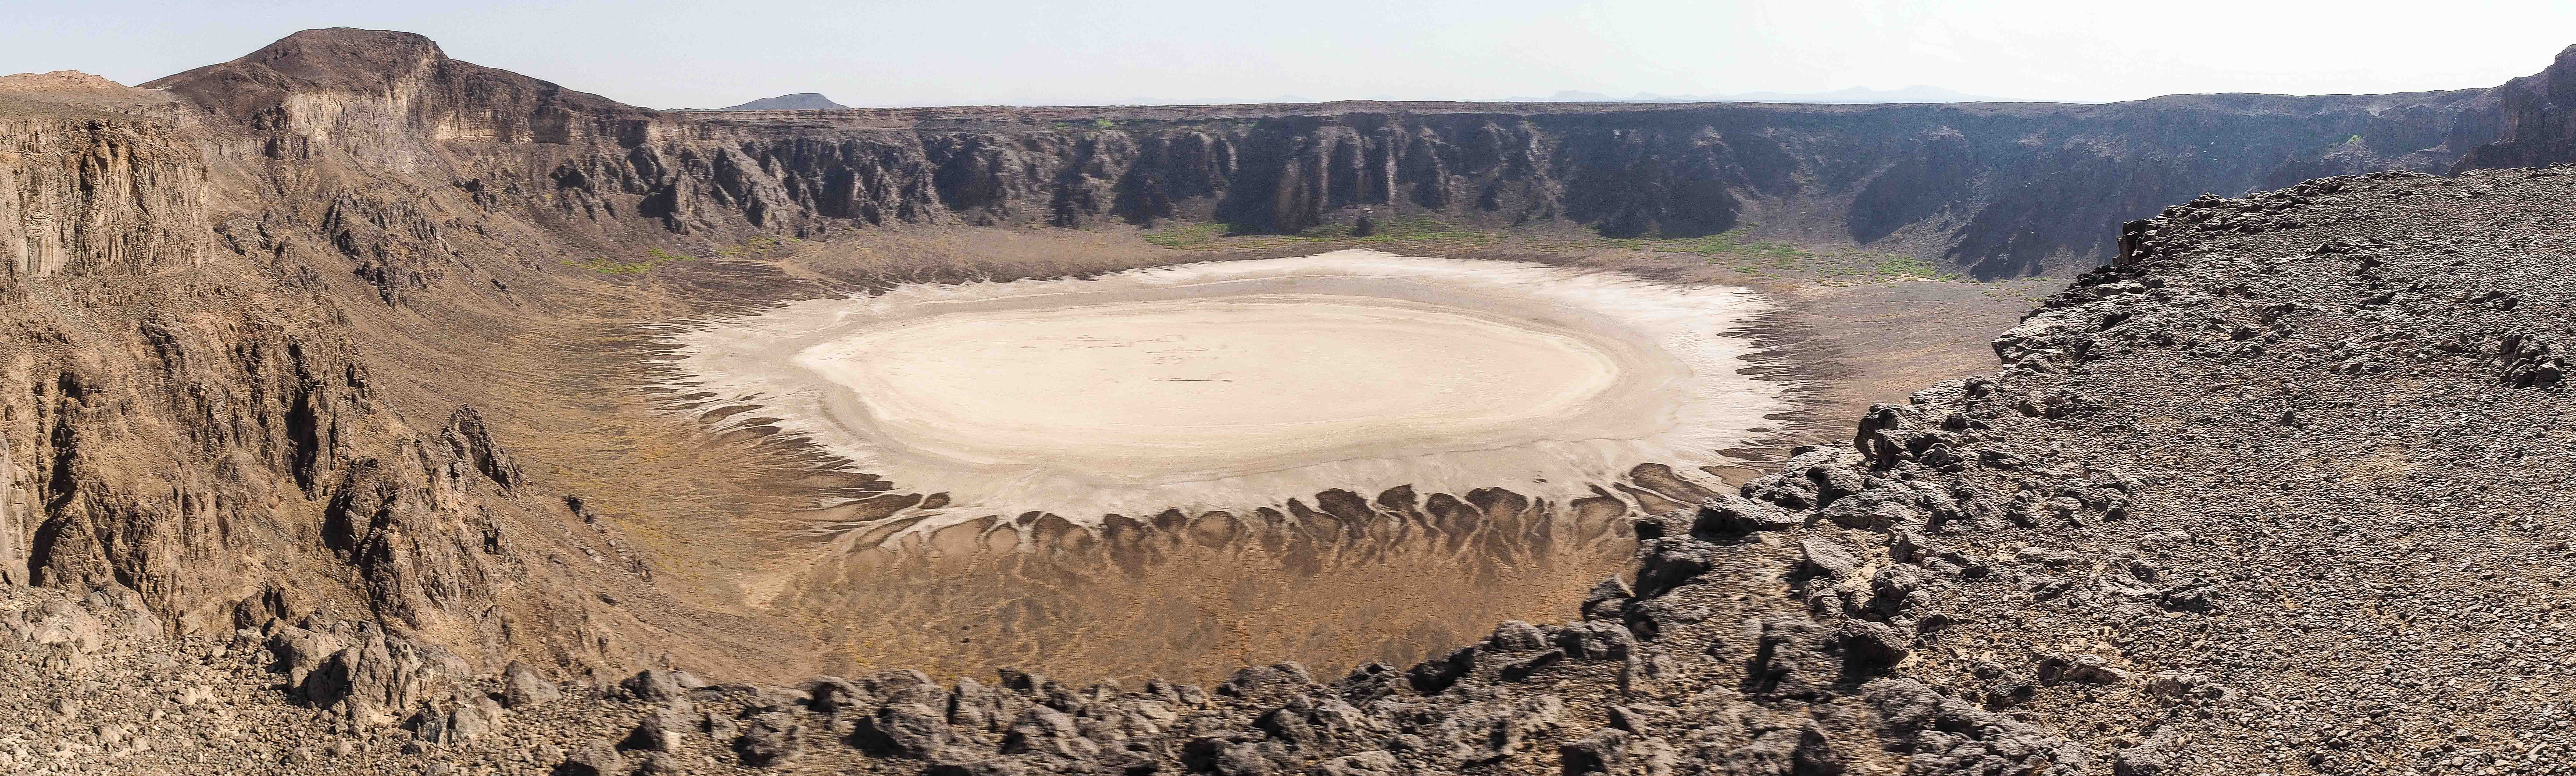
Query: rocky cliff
{"type": "Point", "coordinates": [234, 462]}
{"type": "Point", "coordinates": [186, 411]}
{"type": "Point", "coordinates": [91, 192]}
{"type": "Point", "coordinates": [1995, 189]}
{"type": "Point", "coordinates": [14, 523]}
{"type": "Point", "coordinates": [2536, 129]}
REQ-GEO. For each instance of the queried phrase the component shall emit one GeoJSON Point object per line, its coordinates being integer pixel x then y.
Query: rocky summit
{"type": "Point", "coordinates": [312, 461]}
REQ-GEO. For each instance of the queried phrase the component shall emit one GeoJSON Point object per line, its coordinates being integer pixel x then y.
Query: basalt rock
{"type": "Point", "coordinates": [14, 525]}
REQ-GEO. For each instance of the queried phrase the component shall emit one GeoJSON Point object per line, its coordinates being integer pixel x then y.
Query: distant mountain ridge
{"type": "Point", "coordinates": [1991, 190]}
{"type": "Point", "coordinates": [1856, 95]}
{"type": "Point", "coordinates": [798, 101]}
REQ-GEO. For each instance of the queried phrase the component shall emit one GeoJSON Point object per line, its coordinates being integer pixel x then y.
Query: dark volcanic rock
{"type": "Point", "coordinates": [522, 686]}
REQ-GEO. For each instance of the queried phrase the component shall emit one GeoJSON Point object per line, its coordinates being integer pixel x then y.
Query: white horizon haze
{"type": "Point", "coordinates": [666, 54]}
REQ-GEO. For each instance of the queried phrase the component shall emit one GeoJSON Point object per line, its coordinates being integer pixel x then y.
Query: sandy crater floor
{"type": "Point", "coordinates": [1209, 386]}
{"type": "Point", "coordinates": [1241, 385]}
{"type": "Point", "coordinates": [1332, 572]}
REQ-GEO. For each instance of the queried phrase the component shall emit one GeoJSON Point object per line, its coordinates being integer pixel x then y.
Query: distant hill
{"type": "Point", "coordinates": [1854, 96]}
{"type": "Point", "coordinates": [803, 101]}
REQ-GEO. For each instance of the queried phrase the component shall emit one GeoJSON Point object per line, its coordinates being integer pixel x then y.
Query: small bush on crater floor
{"type": "Point", "coordinates": [1185, 235]}
{"type": "Point", "coordinates": [652, 258]}
{"type": "Point", "coordinates": [1407, 230]}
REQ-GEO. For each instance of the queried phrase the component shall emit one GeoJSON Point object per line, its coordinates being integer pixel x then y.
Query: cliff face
{"type": "Point", "coordinates": [13, 523]}
{"type": "Point", "coordinates": [187, 406]}
{"type": "Point", "coordinates": [2536, 126]}
{"type": "Point", "coordinates": [1992, 189]}
{"type": "Point", "coordinates": [384, 94]}
{"type": "Point", "coordinates": [97, 196]}
{"type": "Point", "coordinates": [220, 448]}
{"type": "Point", "coordinates": [1996, 190]}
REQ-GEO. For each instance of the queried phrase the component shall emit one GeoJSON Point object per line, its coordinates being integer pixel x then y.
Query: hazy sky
{"type": "Point", "coordinates": [675, 54]}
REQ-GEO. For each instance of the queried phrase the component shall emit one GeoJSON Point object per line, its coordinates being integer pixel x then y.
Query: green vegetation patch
{"type": "Point", "coordinates": [1408, 231]}
{"type": "Point", "coordinates": [762, 247]}
{"type": "Point", "coordinates": [1731, 243]}
{"type": "Point", "coordinates": [1186, 236]}
{"type": "Point", "coordinates": [1770, 258]}
{"type": "Point", "coordinates": [1852, 266]}
{"type": "Point", "coordinates": [652, 258]}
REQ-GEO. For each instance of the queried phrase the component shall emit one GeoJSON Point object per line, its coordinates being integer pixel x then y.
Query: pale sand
{"type": "Point", "coordinates": [1241, 385]}
{"type": "Point", "coordinates": [1140, 391]}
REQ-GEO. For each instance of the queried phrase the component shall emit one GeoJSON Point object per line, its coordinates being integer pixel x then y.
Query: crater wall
{"type": "Point", "coordinates": [239, 321]}
{"type": "Point", "coordinates": [1992, 189]}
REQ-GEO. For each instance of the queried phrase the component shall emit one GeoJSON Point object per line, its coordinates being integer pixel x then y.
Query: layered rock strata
{"type": "Point", "coordinates": [1995, 189]}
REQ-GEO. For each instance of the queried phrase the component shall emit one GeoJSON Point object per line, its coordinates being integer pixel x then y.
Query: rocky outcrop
{"type": "Point", "coordinates": [98, 196]}
{"type": "Point", "coordinates": [388, 96]}
{"type": "Point", "coordinates": [269, 410]}
{"type": "Point", "coordinates": [214, 443]}
{"type": "Point", "coordinates": [14, 522]}
{"type": "Point", "coordinates": [2534, 111]}
{"type": "Point", "coordinates": [394, 246]}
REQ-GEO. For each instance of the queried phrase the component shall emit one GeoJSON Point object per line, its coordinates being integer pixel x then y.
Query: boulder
{"type": "Point", "coordinates": [1730, 515]}
{"type": "Point", "coordinates": [653, 686]}
{"type": "Point", "coordinates": [522, 687]}
{"type": "Point", "coordinates": [1600, 752]}
{"type": "Point", "coordinates": [660, 730]}
{"type": "Point", "coordinates": [596, 758]}
{"type": "Point", "coordinates": [1516, 636]}
{"type": "Point", "coordinates": [908, 730]}
{"type": "Point", "coordinates": [769, 740]}
{"type": "Point", "coordinates": [1432, 676]}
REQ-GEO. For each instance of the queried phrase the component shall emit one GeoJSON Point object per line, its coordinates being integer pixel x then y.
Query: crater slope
{"type": "Point", "coordinates": [2277, 501]}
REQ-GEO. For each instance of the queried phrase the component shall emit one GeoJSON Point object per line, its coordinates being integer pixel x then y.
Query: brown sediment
{"type": "Point", "coordinates": [1332, 581]}
{"type": "Point", "coordinates": [1126, 600]}
{"type": "Point", "coordinates": [1382, 575]}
